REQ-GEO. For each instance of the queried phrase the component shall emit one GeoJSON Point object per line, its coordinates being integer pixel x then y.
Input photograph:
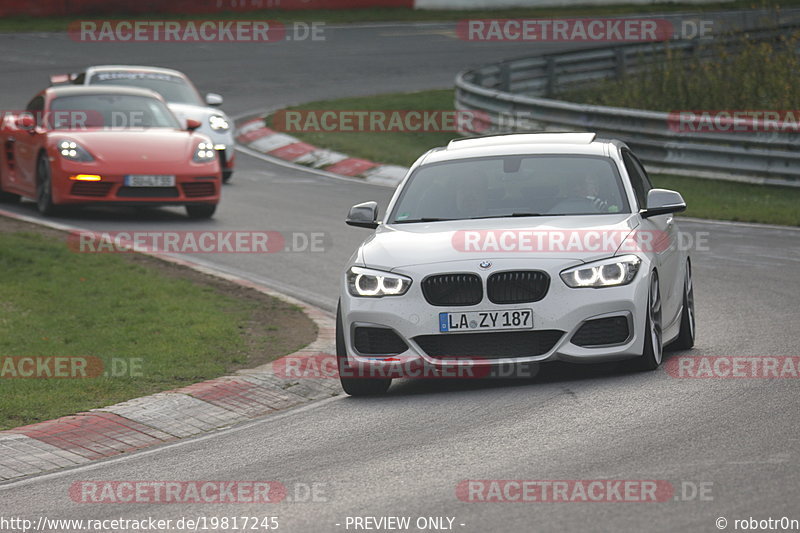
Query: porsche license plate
{"type": "Point", "coordinates": [150, 180]}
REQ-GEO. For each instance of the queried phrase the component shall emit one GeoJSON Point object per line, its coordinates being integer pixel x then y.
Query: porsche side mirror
{"type": "Point", "coordinates": [213, 99]}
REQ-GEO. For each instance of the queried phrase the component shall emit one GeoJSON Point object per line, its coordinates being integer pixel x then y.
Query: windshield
{"type": "Point", "coordinates": [121, 111]}
{"type": "Point", "coordinates": [172, 88]}
{"type": "Point", "coordinates": [511, 186]}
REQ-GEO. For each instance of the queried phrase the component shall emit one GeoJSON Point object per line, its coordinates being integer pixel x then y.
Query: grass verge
{"type": "Point", "coordinates": [24, 24]}
{"type": "Point", "coordinates": [714, 199]}
{"type": "Point", "coordinates": [158, 325]}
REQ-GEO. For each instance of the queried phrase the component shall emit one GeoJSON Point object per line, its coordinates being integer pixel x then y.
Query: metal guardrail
{"type": "Point", "coordinates": [515, 96]}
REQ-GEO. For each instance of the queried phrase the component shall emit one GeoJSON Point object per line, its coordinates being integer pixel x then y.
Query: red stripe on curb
{"type": "Point", "coordinates": [351, 166]}
{"type": "Point", "coordinates": [94, 435]}
{"type": "Point", "coordinates": [292, 151]}
{"type": "Point", "coordinates": [239, 396]}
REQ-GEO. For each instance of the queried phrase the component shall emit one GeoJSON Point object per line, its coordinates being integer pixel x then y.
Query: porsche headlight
{"type": "Point", "coordinates": [74, 151]}
{"type": "Point", "coordinates": [611, 272]}
{"type": "Point", "coordinates": [218, 123]}
{"type": "Point", "coordinates": [204, 153]}
{"type": "Point", "coordinates": [369, 283]}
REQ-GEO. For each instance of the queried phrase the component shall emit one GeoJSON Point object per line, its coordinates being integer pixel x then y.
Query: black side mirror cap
{"type": "Point", "coordinates": [662, 202]}
{"type": "Point", "coordinates": [363, 215]}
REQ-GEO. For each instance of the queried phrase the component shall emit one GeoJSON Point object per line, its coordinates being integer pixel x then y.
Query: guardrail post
{"type": "Point", "coordinates": [620, 62]}
{"type": "Point", "coordinates": [550, 72]}
{"type": "Point", "coordinates": [505, 77]}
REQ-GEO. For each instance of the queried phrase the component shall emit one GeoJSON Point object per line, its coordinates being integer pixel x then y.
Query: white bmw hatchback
{"type": "Point", "coordinates": [513, 249]}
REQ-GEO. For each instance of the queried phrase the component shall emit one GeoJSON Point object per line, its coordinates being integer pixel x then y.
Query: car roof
{"type": "Point", "coordinates": [77, 90]}
{"type": "Point", "coordinates": [520, 144]}
{"type": "Point", "coordinates": [158, 70]}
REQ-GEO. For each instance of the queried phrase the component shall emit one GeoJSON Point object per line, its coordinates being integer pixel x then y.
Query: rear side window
{"type": "Point", "coordinates": [36, 108]}
{"type": "Point", "coordinates": [35, 105]}
{"type": "Point", "coordinates": [638, 176]}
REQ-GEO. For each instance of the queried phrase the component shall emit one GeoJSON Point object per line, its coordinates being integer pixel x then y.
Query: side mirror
{"type": "Point", "coordinates": [662, 202]}
{"type": "Point", "coordinates": [363, 215]}
{"type": "Point", "coordinates": [213, 99]}
{"type": "Point", "coordinates": [25, 122]}
{"type": "Point", "coordinates": [192, 124]}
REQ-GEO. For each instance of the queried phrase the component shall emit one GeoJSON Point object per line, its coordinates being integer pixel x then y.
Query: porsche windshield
{"type": "Point", "coordinates": [511, 186]}
{"type": "Point", "coordinates": [116, 111]}
{"type": "Point", "coordinates": [171, 88]}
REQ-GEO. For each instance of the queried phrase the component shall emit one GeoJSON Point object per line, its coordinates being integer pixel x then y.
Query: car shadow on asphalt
{"type": "Point", "coordinates": [543, 374]}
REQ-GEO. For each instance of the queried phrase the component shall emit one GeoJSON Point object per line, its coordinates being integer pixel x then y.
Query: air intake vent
{"type": "Point", "coordinates": [496, 345]}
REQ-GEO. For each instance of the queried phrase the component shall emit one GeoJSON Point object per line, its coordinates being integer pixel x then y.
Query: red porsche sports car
{"type": "Point", "coordinates": [106, 145]}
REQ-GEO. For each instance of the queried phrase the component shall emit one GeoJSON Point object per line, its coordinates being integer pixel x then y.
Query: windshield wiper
{"type": "Point", "coordinates": [423, 219]}
{"type": "Point", "coordinates": [510, 215]}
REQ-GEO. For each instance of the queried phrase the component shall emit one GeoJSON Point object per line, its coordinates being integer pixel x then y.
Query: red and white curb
{"type": "Point", "coordinates": [165, 416]}
{"type": "Point", "coordinates": [253, 133]}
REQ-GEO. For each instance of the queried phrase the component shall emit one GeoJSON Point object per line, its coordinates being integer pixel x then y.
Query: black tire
{"type": "Point", "coordinates": [201, 211]}
{"type": "Point", "coordinates": [653, 352]}
{"type": "Point", "coordinates": [44, 187]}
{"type": "Point", "coordinates": [686, 336]}
{"type": "Point", "coordinates": [355, 386]}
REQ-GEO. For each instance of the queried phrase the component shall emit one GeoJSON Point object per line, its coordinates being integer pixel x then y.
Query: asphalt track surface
{"type": "Point", "coordinates": [404, 454]}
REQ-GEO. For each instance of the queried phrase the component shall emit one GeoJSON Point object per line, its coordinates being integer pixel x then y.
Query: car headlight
{"type": "Point", "coordinates": [218, 123]}
{"type": "Point", "coordinates": [204, 153]}
{"type": "Point", "coordinates": [74, 151]}
{"type": "Point", "coordinates": [375, 283]}
{"type": "Point", "coordinates": [611, 272]}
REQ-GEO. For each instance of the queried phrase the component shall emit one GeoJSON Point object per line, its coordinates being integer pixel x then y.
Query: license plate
{"type": "Point", "coordinates": [485, 320]}
{"type": "Point", "coordinates": [149, 180]}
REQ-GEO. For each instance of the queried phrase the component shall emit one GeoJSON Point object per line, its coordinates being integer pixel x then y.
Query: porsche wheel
{"type": "Point", "coordinates": [44, 187]}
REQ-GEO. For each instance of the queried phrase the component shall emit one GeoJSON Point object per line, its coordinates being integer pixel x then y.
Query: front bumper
{"type": "Point", "coordinates": [559, 315]}
{"type": "Point", "coordinates": [195, 183]}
